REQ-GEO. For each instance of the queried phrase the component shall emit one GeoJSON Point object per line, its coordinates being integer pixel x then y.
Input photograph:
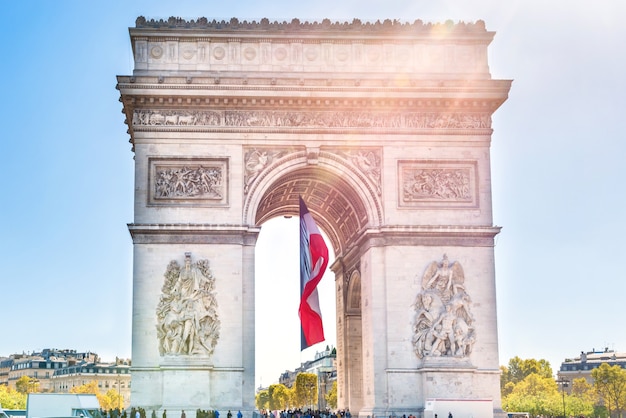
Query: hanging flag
{"type": "Point", "coordinates": [313, 263]}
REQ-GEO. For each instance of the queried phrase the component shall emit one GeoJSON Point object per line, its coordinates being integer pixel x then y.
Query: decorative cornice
{"type": "Point", "coordinates": [386, 26]}
{"type": "Point", "coordinates": [360, 83]}
{"type": "Point", "coordinates": [190, 233]}
{"type": "Point", "coordinates": [429, 235]}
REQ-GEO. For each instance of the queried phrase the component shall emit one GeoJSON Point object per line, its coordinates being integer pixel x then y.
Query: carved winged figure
{"type": "Point", "coordinates": [445, 278]}
{"type": "Point", "coordinates": [256, 161]}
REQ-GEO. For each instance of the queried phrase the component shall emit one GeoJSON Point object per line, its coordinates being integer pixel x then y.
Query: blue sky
{"type": "Point", "coordinates": [558, 169]}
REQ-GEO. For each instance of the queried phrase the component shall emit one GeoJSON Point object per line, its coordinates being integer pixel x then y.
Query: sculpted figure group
{"type": "Point", "coordinates": [187, 319]}
{"type": "Point", "coordinates": [443, 323]}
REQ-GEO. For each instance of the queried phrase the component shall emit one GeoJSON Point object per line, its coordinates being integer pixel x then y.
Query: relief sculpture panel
{"type": "Point", "coordinates": [179, 181]}
{"type": "Point", "coordinates": [437, 183]}
{"type": "Point", "coordinates": [187, 317]}
{"type": "Point", "coordinates": [443, 325]}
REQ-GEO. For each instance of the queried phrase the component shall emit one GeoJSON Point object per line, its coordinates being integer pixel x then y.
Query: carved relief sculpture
{"type": "Point", "coordinates": [444, 184]}
{"type": "Point", "coordinates": [369, 162]}
{"type": "Point", "coordinates": [443, 325]}
{"type": "Point", "coordinates": [438, 183]}
{"type": "Point", "coordinates": [188, 180]}
{"type": "Point", "coordinates": [311, 119]}
{"type": "Point", "coordinates": [187, 318]}
{"type": "Point", "coordinates": [256, 160]}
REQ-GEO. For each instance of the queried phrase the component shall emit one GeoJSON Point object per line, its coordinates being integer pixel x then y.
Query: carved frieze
{"type": "Point", "coordinates": [437, 183]}
{"type": "Point", "coordinates": [187, 319]}
{"type": "Point", "coordinates": [176, 181]}
{"type": "Point", "coordinates": [311, 119]}
{"type": "Point", "coordinates": [443, 325]}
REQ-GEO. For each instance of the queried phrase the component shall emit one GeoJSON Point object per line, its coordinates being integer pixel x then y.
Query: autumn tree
{"type": "Point", "coordinates": [109, 400]}
{"type": "Point", "coordinates": [584, 390]}
{"type": "Point", "coordinates": [27, 384]}
{"type": "Point", "coordinates": [610, 384]}
{"type": "Point", "coordinates": [279, 397]}
{"type": "Point", "coordinates": [539, 395]}
{"type": "Point", "coordinates": [12, 399]}
{"type": "Point", "coordinates": [306, 390]}
{"type": "Point", "coordinates": [262, 400]}
{"type": "Point", "coordinates": [331, 396]}
{"type": "Point", "coordinates": [112, 399]}
{"type": "Point", "coordinates": [534, 395]}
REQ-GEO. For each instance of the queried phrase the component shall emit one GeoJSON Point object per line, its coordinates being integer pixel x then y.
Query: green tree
{"type": "Point", "coordinates": [519, 369]}
{"type": "Point", "coordinates": [610, 384]}
{"type": "Point", "coordinates": [11, 398]}
{"type": "Point", "coordinates": [262, 400]}
{"type": "Point", "coordinates": [331, 396]}
{"type": "Point", "coordinates": [306, 390]}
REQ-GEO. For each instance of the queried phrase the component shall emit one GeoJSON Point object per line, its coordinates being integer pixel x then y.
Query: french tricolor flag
{"type": "Point", "coordinates": [313, 263]}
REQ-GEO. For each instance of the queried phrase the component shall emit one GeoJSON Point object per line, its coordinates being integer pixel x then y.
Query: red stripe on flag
{"type": "Point", "coordinates": [313, 263]}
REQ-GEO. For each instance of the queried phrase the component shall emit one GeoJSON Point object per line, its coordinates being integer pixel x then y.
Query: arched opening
{"type": "Point", "coordinates": [339, 209]}
{"type": "Point", "coordinates": [277, 297]}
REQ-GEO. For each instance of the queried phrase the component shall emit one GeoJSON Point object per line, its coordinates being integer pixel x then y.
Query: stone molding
{"type": "Point", "coordinates": [181, 233]}
{"type": "Point", "coordinates": [428, 235]}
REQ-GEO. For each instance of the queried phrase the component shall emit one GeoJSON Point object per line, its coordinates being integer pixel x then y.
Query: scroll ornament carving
{"type": "Point", "coordinates": [440, 184]}
{"type": "Point", "coordinates": [185, 182]}
{"type": "Point", "coordinates": [256, 160]}
{"type": "Point", "coordinates": [187, 318]}
{"type": "Point", "coordinates": [443, 325]}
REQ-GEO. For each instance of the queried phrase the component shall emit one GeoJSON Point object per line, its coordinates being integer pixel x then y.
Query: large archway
{"type": "Point", "coordinates": [385, 130]}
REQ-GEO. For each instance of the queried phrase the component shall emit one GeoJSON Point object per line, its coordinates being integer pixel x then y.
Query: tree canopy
{"type": "Point", "coordinates": [528, 386]}
{"type": "Point", "coordinates": [610, 384]}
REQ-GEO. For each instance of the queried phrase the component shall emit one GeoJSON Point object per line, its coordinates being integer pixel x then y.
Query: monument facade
{"type": "Point", "coordinates": [384, 129]}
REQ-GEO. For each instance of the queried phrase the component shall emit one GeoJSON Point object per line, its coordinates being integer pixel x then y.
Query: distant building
{"type": "Point", "coordinates": [59, 371]}
{"type": "Point", "coordinates": [109, 376]}
{"type": "Point", "coordinates": [40, 366]}
{"type": "Point", "coordinates": [582, 365]}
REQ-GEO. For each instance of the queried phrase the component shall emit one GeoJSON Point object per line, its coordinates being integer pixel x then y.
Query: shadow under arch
{"type": "Point", "coordinates": [342, 203]}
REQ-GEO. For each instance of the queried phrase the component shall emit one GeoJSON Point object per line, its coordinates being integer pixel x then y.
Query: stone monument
{"type": "Point", "coordinates": [384, 128]}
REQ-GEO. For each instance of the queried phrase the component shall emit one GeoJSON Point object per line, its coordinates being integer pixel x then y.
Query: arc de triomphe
{"type": "Point", "coordinates": [384, 129]}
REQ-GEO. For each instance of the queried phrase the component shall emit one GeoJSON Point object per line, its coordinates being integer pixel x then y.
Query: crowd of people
{"type": "Point", "coordinates": [308, 413]}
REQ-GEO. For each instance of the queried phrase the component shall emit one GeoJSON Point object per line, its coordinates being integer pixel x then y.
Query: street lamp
{"type": "Point", "coordinates": [119, 392]}
{"type": "Point", "coordinates": [563, 384]}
